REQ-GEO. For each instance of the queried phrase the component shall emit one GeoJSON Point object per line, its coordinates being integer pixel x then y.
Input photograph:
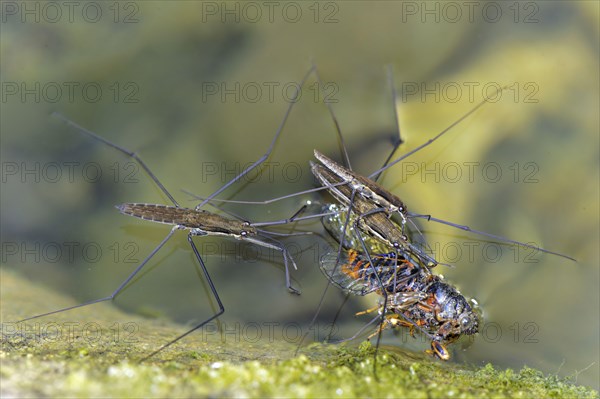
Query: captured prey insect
{"type": "Point", "coordinates": [369, 209]}
{"type": "Point", "coordinates": [410, 295]}
{"type": "Point", "coordinates": [197, 222]}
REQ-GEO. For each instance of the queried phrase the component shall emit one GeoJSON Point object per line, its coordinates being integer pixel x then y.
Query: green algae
{"type": "Point", "coordinates": [35, 363]}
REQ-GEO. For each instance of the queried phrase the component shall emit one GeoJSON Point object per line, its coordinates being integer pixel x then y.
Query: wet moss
{"type": "Point", "coordinates": [36, 363]}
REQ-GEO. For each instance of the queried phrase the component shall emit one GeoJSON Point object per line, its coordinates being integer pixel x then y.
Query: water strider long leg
{"type": "Point", "coordinates": [265, 202]}
{"type": "Point", "coordinates": [291, 219]}
{"type": "Point", "coordinates": [295, 218]}
{"type": "Point", "coordinates": [493, 236]}
{"type": "Point", "coordinates": [119, 289]}
{"type": "Point", "coordinates": [336, 123]}
{"type": "Point", "coordinates": [440, 134]}
{"type": "Point", "coordinates": [286, 255]}
{"type": "Point", "coordinates": [125, 151]}
{"type": "Point", "coordinates": [152, 176]}
{"type": "Point", "coordinates": [398, 140]}
{"type": "Point", "coordinates": [265, 156]}
{"type": "Point", "coordinates": [358, 333]}
{"type": "Point", "coordinates": [212, 289]}
{"type": "Point", "coordinates": [271, 146]}
{"type": "Point", "coordinates": [337, 315]}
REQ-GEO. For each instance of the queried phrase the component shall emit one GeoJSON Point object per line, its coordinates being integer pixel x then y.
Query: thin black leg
{"type": "Point", "coordinates": [214, 292]}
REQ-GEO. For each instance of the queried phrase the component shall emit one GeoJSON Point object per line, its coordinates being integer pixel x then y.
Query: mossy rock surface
{"type": "Point", "coordinates": [89, 362]}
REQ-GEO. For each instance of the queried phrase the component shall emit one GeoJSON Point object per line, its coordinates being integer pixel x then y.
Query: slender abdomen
{"type": "Point", "coordinates": [189, 218]}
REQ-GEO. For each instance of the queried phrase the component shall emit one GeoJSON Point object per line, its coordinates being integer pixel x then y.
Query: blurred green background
{"type": "Point", "coordinates": [155, 64]}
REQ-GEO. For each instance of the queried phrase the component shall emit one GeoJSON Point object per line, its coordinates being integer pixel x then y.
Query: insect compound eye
{"type": "Point", "coordinates": [467, 322]}
{"type": "Point", "coordinates": [243, 233]}
{"type": "Point", "coordinates": [246, 224]}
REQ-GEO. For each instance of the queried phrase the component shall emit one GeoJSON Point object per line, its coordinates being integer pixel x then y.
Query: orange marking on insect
{"type": "Point", "coordinates": [353, 267]}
